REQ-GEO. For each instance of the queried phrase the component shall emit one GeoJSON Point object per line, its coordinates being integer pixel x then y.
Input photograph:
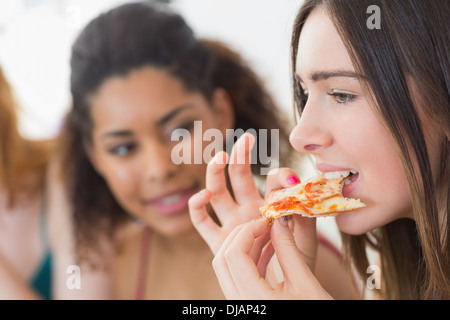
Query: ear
{"type": "Point", "coordinates": [224, 109]}
{"type": "Point", "coordinates": [89, 149]}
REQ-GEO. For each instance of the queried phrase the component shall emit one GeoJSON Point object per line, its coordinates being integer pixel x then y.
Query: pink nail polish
{"type": "Point", "coordinates": [293, 180]}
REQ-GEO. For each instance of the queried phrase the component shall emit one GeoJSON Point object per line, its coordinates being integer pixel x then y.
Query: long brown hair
{"type": "Point", "coordinates": [22, 161]}
{"type": "Point", "coordinates": [410, 50]}
{"type": "Point", "coordinates": [133, 36]}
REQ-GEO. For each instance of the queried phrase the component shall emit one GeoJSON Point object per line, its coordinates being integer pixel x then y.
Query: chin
{"type": "Point", "coordinates": [177, 231]}
{"type": "Point", "coordinates": [371, 217]}
{"type": "Point", "coordinates": [354, 223]}
{"type": "Point", "coordinates": [174, 228]}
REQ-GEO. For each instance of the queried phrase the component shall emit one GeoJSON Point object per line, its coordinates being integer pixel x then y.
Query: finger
{"type": "Point", "coordinates": [202, 221]}
{"type": "Point", "coordinates": [241, 264]}
{"type": "Point", "coordinates": [266, 255]}
{"type": "Point", "coordinates": [299, 277]}
{"type": "Point", "coordinates": [221, 270]}
{"type": "Point", "coordinates": [305, 234]}
{"type": "Point", "coordinates": [221, 199]}
{"type": "Point", "coordinates": [240, 172]}
{"type": "Point", "coordinates": [260, 244]}
{"type": "Point", "coordinates": [281, 178]}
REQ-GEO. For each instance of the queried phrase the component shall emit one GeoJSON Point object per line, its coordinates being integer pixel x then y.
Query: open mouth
{"type": "Point", "coordinates": [349, 176]}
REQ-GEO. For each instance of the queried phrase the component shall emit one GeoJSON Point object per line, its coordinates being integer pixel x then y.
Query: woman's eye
{"type": "Point", "coordinates": [122, 150]}
{"type": "Point", "coordinates": [187, 125]}
{"type": "Point", "coordinates": [181, 129]}
{"type": "Point", "coordinates": [342, 97]}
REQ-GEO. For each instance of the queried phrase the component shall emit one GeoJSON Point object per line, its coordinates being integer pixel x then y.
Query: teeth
{"type": "Point", "coordinates": [353, 171]}
{"type": "Point", "coordinates": [337, 174]}
{"type": "Point", "coordinates": [171, 199]}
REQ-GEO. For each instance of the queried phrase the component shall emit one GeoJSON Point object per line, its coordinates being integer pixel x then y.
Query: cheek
{"type": "Point", "coordinates": [198, 172]}
{"type": "Point", "coordinates": [121, 178]}
{"type": "Point", "coordinates": [372, 151]}
{"type": "Point", "coordinates": [382, 184]}
{"type": "Point", "coordinates": [381, 165]}
{"type": "Point", "coordinates": [122, 181]}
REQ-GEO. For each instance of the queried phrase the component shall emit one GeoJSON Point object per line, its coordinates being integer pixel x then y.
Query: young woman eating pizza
{"type": "Point", "coordinates": [374, 101]}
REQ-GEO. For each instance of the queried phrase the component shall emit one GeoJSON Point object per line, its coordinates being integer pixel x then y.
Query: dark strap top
{"type": "Point", "coordinates": [41, 281]}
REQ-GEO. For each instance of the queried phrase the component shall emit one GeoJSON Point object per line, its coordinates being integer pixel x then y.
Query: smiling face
{"type": "Point", "coordinates": [133, 120]}
{"type": "Point", "coordinates": [341, 130]}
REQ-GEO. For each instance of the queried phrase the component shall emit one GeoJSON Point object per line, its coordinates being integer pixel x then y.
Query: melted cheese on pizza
{"type": "Point", "coordinates": [316, 197]}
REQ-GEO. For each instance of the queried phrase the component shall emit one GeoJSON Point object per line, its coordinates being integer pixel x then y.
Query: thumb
{"type": "Point", "coordinates": [305, 235]}
{"type": "Point", "coordinates": [290, 258]}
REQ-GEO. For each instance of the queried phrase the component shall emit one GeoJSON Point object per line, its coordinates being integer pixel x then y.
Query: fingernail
{"type": "Point", "coordinates": [283, 220]}
{"type": "Point", "coordinates": [293, 180]}
{"type": "Point", "coordinates": [201, 192]}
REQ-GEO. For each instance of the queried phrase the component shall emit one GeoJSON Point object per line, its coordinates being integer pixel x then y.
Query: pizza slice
{"type": "Point", "coordinates": [320, 196]}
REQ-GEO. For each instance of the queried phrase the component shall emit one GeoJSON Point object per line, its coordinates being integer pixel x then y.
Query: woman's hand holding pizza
{"type": "Point", "coordinates": [244, 243]}
{"type": "Point", "coordinates": [242, 260]}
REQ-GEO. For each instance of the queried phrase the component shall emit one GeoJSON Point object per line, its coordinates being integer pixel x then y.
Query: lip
{"type": "Point", "coordinates": [173, 202]}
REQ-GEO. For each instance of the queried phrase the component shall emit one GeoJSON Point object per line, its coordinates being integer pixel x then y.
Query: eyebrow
{"type": "Point", "coordinates": [164, 119]}
{"type": "Point", "coordinates": [120, 133]}
{"type": "Point", "coordinates": [316, 76]}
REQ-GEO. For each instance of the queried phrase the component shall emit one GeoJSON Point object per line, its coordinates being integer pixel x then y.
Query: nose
{"type": "Point", "coordinates": [157, 163]}
{"type": "Point", "coordinates": [311, 134]}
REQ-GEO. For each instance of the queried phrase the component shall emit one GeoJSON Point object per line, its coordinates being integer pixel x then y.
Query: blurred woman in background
{"type": "Point", "coordinates": [25, 259]}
